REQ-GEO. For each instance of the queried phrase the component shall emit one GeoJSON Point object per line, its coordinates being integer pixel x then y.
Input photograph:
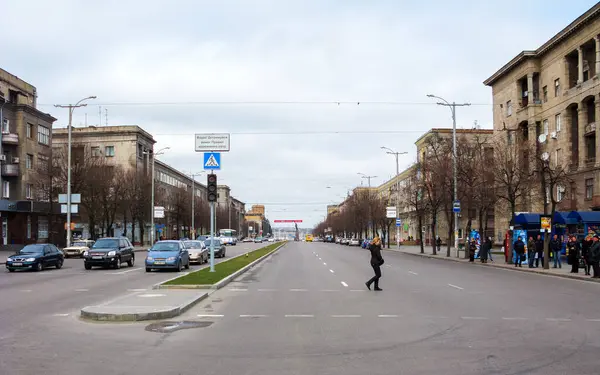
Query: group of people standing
{"type": "Point", "coordinates": [588, 249]}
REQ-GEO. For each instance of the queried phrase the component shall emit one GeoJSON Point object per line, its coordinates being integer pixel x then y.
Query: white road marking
{"type": "Point", "coordinates": [473, 318]}
{"type": "Point", "coordinates": [344, 284]}
{"type": "Point", "coordinates": [455, 286]}
{"type": "Point", "coordinates": [329, 290]}
{"type": "Point", "coordinates": [324, 263]}
{"type": "Point", "coordinates": [60, 315]}
{"type": "Point", "coordinates": [331, 271]}
{"type": "Point", "coordinates": [25, 290]}
{"type": "Point", "coordinates": [387, 316]}
{"type": "Point", "coordinates": [253, 316]}
{"type": "Point", "coordinates": [388, 266]}
{"type": "Point", "coordinates": [298, 290]}
{"type": "Point", "coordinates": [345, 316]}
{"type": "Point", "coordinates": [513, 318]}
{"type": "Point", "coordinates": [414, 273]}
{"type": "Point", "coordinates": [82, 290]}
{"type": "Point", "coordinates": [357, 290]}
{"type": "Point", "coordinates": [136, 290]}
{"type": "Point", "coordinates": [299, 316]}
{"type": "Point", "coordinates": [151, 295]}
{"type": "Point", "coordinates": [267, 290]}
{"type": "Point", "coordinates": [558, 320]}
{"type": "Point", "coordinates": [238, 289]}
{"type": "Point", "coordinates": [124, 272]}
{"type": "Point", "coordinates": [210, 316]}
{"type": "Point", "coordinates": [593, 320]}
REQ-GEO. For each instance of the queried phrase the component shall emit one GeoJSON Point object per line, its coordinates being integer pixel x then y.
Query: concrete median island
{"type": "Point", "coordinates": [224, 271]}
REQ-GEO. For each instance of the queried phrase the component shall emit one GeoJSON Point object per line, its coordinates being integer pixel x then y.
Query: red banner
{"type": "Point", "coordinates": [287, 221]}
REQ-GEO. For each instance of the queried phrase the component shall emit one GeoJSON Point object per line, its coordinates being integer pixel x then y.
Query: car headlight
{"type": "Point", "coordinates": [85, 253]}
{"type": "Point", "coordinates": [30, 259]}
{"type": "Point", "coordinates": [112, 253]}
{"type": "Point", "coordinates": [170, 259]}
{"type": "Point", "coordinates": [149, 258]}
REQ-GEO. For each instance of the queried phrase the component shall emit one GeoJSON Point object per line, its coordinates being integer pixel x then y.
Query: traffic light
{"type": "Point", "coordinates": [211, 186]}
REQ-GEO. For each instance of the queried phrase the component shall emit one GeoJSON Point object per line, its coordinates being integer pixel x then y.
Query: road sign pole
{"type": "Point", "coordinates": [212, 236]}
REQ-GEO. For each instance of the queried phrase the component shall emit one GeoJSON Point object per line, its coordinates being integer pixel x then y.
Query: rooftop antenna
{"type": "Point", "coordinates": [100, 115]}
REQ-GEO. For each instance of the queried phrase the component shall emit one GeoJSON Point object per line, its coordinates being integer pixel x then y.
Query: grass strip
{"type": "Point", "coordinates": [223, 269]}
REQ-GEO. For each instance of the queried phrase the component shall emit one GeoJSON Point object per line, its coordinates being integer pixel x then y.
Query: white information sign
{"type": "Point", "coordinates": [390, 212]}
{"type": "Point", "coordinates": [212, 142]}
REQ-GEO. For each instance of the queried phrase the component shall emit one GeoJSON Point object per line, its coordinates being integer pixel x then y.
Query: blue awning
{"type": "Point", "coordinates": [563, 218]}
{"type": "Point", "coordinates": [530, 220]}
{"type": "Point", "coordinates": [585, 216]}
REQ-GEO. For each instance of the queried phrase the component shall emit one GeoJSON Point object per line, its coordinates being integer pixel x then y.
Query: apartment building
{"type": "Point", "coordinates": [234, 207]}
{"type": "Point", "coordinates": [25, 154]}
{"type": "Point", "coordinates": [548, 100]}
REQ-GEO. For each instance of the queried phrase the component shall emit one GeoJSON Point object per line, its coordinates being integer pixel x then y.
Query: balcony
{"type": "Point", "coordinates": [590, 128]}
{"type": "Point", "coordinates": [10, 170]}
{"type": "Point", "coordinates": [10, 138]}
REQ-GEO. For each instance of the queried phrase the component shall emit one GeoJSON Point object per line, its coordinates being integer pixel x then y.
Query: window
{"type": "Point", "coordinates": [140, 151]}
{"type": "Point", "coordinates": [5, 126]}
{"type": "Point", "coordinates": [557, 124]}
{"type": "Point", "coordinates": [28, 191]}
{"type": "Point", "coordinates": [508, 108]}
{"type": "Point", "coordinates": [29, 130]}
{"type": "Point", "coordinates": [43, 163]}
{"type": "Point", "coordinates": [546, 127]}
{"type": "Point", "coordinates": [545, 94]}
{"type": "Point", "coordinates": [557, 156]}
{"type": "Point", "coordinates": [43, 193]}
{"type": "Point", "coordinates": [109, 151]}
{"type": "Point", "coordinates": [28, 226]}
{"type": "Point", "coordinates": [5, 189]}
{"type": "Point", "coordinates": [28, 161]}
{"type": "Point", "coordinates": [43, 135]}
{"type": "Point", "coordinates": [42, 227]}
{"type": "Point", "coordinates": [557, 87]}
{"type": "Point", "coordinates": [589, 188]}
{"type": "Point", "coordinates": [95, 151]}
{"type": "Point", "coordinates": [560, 193]}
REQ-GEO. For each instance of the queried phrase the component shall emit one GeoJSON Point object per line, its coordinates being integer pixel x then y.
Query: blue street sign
{"type": "Point", "coordinates": [456, 206]}
{"type": "Point", "coordinates": [398, 222]}
{"type": "Point", "coordinates": [212, 160]}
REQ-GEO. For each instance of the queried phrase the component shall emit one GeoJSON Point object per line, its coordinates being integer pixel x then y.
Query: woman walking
{"type": "Point", "coordinates": [376, 263]}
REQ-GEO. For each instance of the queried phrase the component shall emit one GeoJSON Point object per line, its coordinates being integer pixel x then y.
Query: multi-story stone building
{"type": "Point", "coordinates": [234, 208]}
{"type": "Point", "coordinates": [549, 100]}
{"type": "Point", "coordinates": [25, 154]}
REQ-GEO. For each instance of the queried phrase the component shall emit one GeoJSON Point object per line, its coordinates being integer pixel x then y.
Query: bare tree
{"type": "Point", "coordinates": [415, 199]}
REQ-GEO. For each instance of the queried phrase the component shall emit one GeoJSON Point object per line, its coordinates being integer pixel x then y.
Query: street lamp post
{"type": "Point", "coordinates": [193, 175]}
{"type": "Point", "coordinates": [368, 178]}
{"type": "Point", "coordinates": [71, 108]}
{"type": "Point", "coordinates": [452, 107]}
{"type": "Point", "coordinates": [153, 155]}
{"type": "Point", "coordinates": [396, 154]}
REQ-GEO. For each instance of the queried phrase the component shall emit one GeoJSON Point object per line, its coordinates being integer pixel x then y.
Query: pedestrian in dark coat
{"type": "Point", "coordinates": [585, 253]}
{"type": "Point", "coordinates": [486, 248]}
{"type": "Point", "coordinates": [556, 248]}
{"type": "Point", "coordinates": [539, 251]}
{"type": "Point", "coordinates": [595, 257]}
{"type": "Point", "coordinates": [573, 254]}
{"type": "Point", "coordinates": [519, 247]}
{"type": "Point", "coordinates": [530, 251]}
{"type": "Point", "coordinates": [376, 263]}
{"type": "Point", "coordinates": [472, 250]}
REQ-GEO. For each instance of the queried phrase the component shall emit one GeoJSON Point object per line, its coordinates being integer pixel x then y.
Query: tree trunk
{"type": "Point", "coordinates": [433, 229]}
{"type": "Point", "coordinates": [420, 220]}
{"type": "Point", "coordinates": [450, 234]}
{"type": "Point", "coordinates": [133, 231]}
{"type": "Point", "coordinates": [467, 235]}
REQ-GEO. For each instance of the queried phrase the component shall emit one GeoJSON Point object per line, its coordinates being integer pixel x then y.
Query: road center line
{"type": "Point", "coordinates": [298, 290]}
{"type": "Point", "coordinates": [473, 318]}
{"type": "Point", "coordinates": [60, 315]}
{"type": "Point", "coordinates": [331, 271]}
{"type": "Point", "coordinates": [324, 263]}
{"type": "Point", "coordinates": [238, 290]}
{"type": "Point", "coordinates": [253, 316]}
{"type": "Point", "coordinates": [82, 290]}
{"type": "Point", "coordinates": [455, 286]}
{"type": "Point", "coordinates": [356, 290]}
{"type": "Point", "coordinates": [124, 272]}
{"type": "Point", "coordinates": [267, 290]}
{"type": "Point", "coordinates": [558, 320]}
{"type": "Point", "coordinates": [513, 318]}
{"type": "Point", "coordinates": [299, 316]}
{"type": "Point", "coordinates": [593, 320]}
{"type": "Point", "coordinates": [344, 284]}
{"type": "Point", "coordinates": [210, 316]}
{"type": "Point", "coordinates": [413, 273]}
{"type": "Point", "coordinates": [136, 290]}
{"type": "Point", "coordinates": [345, 316]}
{"type": "Point", "coordinates": [387, 316]}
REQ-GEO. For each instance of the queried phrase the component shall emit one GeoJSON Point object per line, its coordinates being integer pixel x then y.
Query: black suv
{"type": "Point", "coordinates": [109, 252]}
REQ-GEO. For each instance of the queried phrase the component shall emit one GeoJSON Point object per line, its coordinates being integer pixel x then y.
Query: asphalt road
{"type": "Point", "coordinates": [306, 311]}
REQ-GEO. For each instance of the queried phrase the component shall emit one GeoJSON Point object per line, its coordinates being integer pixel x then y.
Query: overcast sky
{"type": "Point", "coordinates": [180, 54]}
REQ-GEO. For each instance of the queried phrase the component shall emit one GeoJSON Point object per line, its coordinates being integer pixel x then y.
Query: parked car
{"type": "Point", "coordinates": [229, 240]}
{"type": "Point", "coordinates": [35, 257]}
{"type": "Point", "coordinates": [344, 241]}
{"type": "Point", "coordinates": [77, 248]}
{"type": "Point", "coordinates": [109, 252]}
{"type": "Point", "coordinates": [258, 240]}
{"type": "Point", "coordinates": [219, 247]}
{"type": "Point", "coordinates": [247, 239]}
{"type": "Point", "coordinates": [169, 254]}
{"type": "Point", "coordinates": [354, 242]}
{"type": "Point", "coordinates": [197, 251]}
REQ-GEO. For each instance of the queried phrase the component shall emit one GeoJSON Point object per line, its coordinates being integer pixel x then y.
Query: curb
{"type": "Point", "coordinates": [152, 315]}
{"type": "Point", "coordinates": [518, 269]}
{"type": "Point", "coordinates": [221, 283]}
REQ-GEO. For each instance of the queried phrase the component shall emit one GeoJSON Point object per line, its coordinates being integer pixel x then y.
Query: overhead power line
{"type": "Point", "coordinates": [243, 102]}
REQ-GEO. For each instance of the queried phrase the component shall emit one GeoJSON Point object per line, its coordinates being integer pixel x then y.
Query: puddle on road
{"type": "Point", "coordinates": [167, 327]}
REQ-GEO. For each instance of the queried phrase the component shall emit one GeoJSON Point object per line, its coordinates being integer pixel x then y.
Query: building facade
{"type": "Point", "coordinates": [548, 99]}
{"type": "Point", "coordinates": [25, 154]}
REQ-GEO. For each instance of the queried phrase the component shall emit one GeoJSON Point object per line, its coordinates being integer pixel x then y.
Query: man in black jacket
{"type": "Point", "coordinates": [539, 251]}
{"type": "Point", "coordinates": [595, 257]}
{"type": "Point", "coordinates": [556, 248]}
{"type": "Point", "coordinates": [519, 247]}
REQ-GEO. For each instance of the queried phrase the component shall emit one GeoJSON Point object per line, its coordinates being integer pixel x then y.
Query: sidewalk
{"type": "Point", "coordinates": [497, 263]}
{"type": "Point", "coordinates": [6, 254]}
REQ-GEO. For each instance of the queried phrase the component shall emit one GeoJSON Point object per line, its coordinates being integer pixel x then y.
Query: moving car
{"type": "Point", "coordinates": [77, 248]}
{"type": "Point", "coordinates": [219, 247]}
{"type": "Point", "coordinates": [35, 257]}
{"type": "Point", "coordinates": [344, 241]}
{"type": "Point", "coordinates": [247, 239]}
{"type": "Point", "coordinates": [197, 251]}
{"type": "Point", "coordinates": [109, 252]}
{"type": "Point", "coordinates": [229, 240]}
{"type": "Point", "coordinates": [169, 254]}
{"type": "Point", "coordinates": [354, 242]}
{"type": "Point", "coordinates": [258, 240]}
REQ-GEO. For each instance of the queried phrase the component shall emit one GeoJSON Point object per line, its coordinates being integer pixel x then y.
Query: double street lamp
{"type": "Point", "coordinates": [153, 155]}
{"type": "Point", "coordinates": [396, 154]}
{"type": "Point", "coordinates": [452, 107]}
{"type": "Point", "coordinates": [71, 108]}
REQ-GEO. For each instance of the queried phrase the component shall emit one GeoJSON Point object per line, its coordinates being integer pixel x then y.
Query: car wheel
{"type": "Point", "coordinates": [187, 266]}
{"type": "Point", "coordinates": [39, 267]}
{"type": "Point", "coordinates": [118, 263]}
{"type": "Point", "coordinates": [131, 261]}
{"type": "Point", "coordinates": [179, 267]}
{"type": "Point", "coordinates": [87, 266]}
{"type": "Point", "coordinates": [148, 269]}
{"type": "Point", "coordinates": [59, 264]}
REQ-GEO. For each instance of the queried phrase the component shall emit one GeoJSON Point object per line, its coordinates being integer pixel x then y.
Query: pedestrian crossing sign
{"type": "Point", "coordinates": [212, 160]}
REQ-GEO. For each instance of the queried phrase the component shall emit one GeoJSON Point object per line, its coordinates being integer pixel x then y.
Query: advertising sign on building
{"type": "Point", "coordinates": [545, 224]}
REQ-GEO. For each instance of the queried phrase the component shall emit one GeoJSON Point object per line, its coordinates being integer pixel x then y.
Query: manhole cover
{"type": "Point", "coordinates": [166, 327]}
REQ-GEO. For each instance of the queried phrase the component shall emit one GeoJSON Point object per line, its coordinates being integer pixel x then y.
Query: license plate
{"type": "Point", "coordinates": [159, 262]}
{"type": "Point", "coordinates": [17, 264]}
{"type": "Point", "coordinates": [96, 257]}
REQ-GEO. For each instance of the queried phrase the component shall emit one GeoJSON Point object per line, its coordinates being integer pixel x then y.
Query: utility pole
{"type": "Point", "coordinates": [396, 154]}
{"type": "Point", "coordinates": [71, 108]}
{"type": "Point", "coordinates": [452, 107]}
